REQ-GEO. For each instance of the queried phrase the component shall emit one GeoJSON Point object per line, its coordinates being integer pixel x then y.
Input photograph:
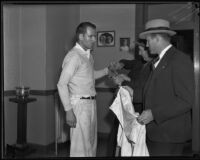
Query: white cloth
{"type": "Point", "coordinates": [131, 135]}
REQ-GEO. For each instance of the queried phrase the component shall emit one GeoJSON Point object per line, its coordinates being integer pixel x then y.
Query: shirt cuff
{"type": "Point", "coordinates": [106, 71]}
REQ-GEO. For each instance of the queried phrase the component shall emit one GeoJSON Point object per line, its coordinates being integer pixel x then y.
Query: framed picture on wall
{"type": "Point", "coordinates": [106, 38]}
{"type": "Point", "coordinates": [124, 44]}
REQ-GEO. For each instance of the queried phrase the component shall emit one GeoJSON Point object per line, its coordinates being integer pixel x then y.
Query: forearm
{"type": "Point", "coordinates": [100, 73]}
{"type": "Point", "coordinates": [64, 96]}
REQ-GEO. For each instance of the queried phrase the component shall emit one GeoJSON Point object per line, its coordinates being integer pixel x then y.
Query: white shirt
{"type": "Point", "coordinates": [77, 78]}
{"type": "Point", "coordinates": [162, 54]}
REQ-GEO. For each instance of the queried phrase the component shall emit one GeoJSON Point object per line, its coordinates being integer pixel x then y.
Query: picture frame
{"type": "Point", "coordinates": [124, 44]}
{"type": "Point", "coordinates": [106, 38]}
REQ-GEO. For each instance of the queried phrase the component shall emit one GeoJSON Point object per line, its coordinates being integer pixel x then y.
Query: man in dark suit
{"type": "Point", "coordinates": [168, 94]}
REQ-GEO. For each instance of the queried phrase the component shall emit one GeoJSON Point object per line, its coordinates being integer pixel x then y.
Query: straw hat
{"type": "Point", "coordinates": [157, 26]}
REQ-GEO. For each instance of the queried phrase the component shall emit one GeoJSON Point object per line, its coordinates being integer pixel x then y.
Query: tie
{"type": "Point", "coordinates": [153, 62]}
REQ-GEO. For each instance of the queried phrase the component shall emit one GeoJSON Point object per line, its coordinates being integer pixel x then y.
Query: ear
{"type": "Point", "coordinates": [81, 37]}
{"type": "Point", "coordinates": [157, 38]}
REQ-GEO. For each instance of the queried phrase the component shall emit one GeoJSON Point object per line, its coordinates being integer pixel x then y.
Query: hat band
{"type": "Point", "coordinates": [158, 28]}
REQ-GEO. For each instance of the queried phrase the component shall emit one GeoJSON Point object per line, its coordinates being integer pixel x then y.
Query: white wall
{"type": "Point", "coordinates": [11, 28]}
{"type": "Point", "coordinates": [34, 47]}
{"type": "Point", "coordinates": [62, 21]}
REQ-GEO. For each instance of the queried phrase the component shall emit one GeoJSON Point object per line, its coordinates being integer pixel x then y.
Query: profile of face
{"type": "Point", "coordinates": [143, 53]}
{"type": "Point", "coordinates": [152, 43]}
{"type": "Point", "coordinates": [88, 39]}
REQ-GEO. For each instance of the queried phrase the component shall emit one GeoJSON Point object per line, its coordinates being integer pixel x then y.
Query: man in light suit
{"type": "Point", "coordinates": [168, 93]}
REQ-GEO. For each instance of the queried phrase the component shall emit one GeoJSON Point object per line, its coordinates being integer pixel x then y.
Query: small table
{"type": "Point", "coordinates": [22, 120]}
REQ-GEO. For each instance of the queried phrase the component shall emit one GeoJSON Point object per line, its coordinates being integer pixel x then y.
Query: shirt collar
{"type": "Point", "coordinates": [164, 51]}
{"type": "Point", "coordinates": [87, 53]}
{"type": "Point", "coordinates": [162, 54]}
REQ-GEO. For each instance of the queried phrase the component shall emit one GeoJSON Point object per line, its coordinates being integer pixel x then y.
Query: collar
{"type": "Point", "coordinates": [162, 54]}
{"type": "Point", "coordinates": [164, 51]}
{"type": "Point", "coordinates": [86, 53]}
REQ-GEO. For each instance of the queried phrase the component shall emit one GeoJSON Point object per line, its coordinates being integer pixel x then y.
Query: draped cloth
{"type": "Point", "coordinates": [131, 136]}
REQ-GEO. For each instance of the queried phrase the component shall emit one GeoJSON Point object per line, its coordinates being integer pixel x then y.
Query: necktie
{"type": "Point", "coordinates": [153, 62]}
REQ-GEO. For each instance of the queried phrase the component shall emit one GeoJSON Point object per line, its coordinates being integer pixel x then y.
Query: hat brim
{"type": "Point", "coordinates": [144, 34]}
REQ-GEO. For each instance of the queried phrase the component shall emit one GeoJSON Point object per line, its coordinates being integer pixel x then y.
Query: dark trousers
{"type": "Point", "coordinates": [164, 149]}
{"type": "Point", "coordinates": [112, 141]}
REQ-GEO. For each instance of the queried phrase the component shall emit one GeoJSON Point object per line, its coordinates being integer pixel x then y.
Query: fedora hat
{"type": "Point", "coordinates": [157, 26]}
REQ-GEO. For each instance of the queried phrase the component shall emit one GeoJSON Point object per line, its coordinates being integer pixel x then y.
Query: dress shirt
{"type": "Point", "coordinates": [162, 54]}
{"type": "Point", "coordinates": [77, 78]}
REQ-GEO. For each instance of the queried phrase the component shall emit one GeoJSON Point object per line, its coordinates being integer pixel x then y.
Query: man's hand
{"type": "Point", "coordinates": [114, 66]}
{"type": "Point", "coordinates": [71, 118]}
{"type": "Point", "coordinates": [120, 78]}
{"type": "Point", "coordinates": [145, 117]}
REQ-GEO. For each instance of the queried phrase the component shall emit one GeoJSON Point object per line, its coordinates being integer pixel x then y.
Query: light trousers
{"type": "Point", "coordinates": [84, 136]}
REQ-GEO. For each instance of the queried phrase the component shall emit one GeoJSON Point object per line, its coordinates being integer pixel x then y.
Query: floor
{"type": "Point", "coordinates": [63, 150]}
{"type": "Point", "coordinates": [49, 151]}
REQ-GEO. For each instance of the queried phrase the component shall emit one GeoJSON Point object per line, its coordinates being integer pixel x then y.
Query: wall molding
{"type": "Point", "coordinates": [52, 92]}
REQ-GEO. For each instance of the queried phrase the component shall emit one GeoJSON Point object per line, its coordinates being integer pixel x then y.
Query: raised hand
{"type": "Point", "coordinates": [115, 66]}
{"type": "Point", "coordinates": [118, 79]}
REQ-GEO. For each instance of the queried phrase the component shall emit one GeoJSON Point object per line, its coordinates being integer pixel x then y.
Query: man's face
{"type": "Point", "coordinates": [88, 39]}
{"type": "Point", "coordinates": [143, 53]}
{"type": "Point", "coordinates": [152, 43]}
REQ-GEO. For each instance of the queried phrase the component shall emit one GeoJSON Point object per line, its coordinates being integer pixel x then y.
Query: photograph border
{"type": "Point", "coordinates": [106, 44]}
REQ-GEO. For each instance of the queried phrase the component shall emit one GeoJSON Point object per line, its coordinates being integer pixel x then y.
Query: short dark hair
{"type": "Point", "coordinates": [82, 27]}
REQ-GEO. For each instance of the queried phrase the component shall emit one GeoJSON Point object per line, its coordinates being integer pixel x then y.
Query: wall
{"type": "Point", "coordinates": [62, 21]}
{"type": "Point", "coordinates": [179, 15]}
{"type": "Point", "coordinates": [34, 47]}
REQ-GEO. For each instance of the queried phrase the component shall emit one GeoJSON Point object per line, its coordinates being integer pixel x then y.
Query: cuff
{"type": "Point", "coordinates": [106, 71]}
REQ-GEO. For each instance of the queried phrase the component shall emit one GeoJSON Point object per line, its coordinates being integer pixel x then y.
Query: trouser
{"type": "Point", "coordinates": [84, 136]}
{"type": "Point", "coordinates": [112, 141]}
{"type": "Point", "coordinates": [165, 149]}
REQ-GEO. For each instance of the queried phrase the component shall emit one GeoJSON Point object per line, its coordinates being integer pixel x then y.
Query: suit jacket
{"type": "Point", "coordinates": [169, 93]}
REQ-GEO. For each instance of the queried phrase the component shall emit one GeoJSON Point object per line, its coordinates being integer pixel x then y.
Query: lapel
{"type": "Point", "coordinates": [164, 61]}
{"type": "Point", "coordinates": [161, 66]}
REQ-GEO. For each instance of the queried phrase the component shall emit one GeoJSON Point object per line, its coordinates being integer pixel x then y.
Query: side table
{"type": "Point", "coordinates": [22, 121]}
